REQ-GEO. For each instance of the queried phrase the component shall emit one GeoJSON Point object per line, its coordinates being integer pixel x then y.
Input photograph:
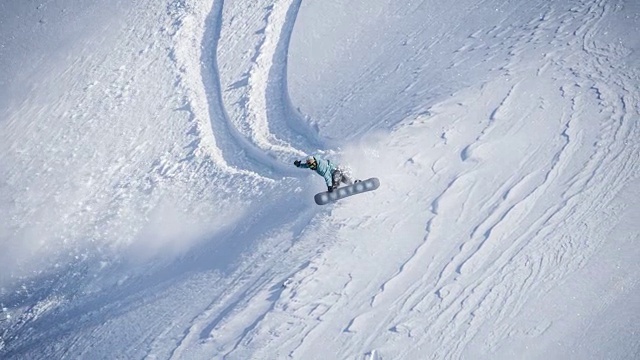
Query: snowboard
{"type": "Point", "coordinates": [326, 197]}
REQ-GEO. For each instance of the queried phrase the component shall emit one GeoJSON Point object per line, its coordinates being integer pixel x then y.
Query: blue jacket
{"type": "Point", "coordinates": [325, 169]}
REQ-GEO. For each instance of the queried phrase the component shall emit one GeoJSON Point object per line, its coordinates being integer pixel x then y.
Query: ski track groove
{"type": "Point", "coordinates": [218, 115]}
{"type": "Point", "coordinates": [269, 109]}
{"type": "Point", "coordinates": [242, 151]}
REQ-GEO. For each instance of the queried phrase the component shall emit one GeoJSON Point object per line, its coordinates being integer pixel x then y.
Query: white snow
{"type": "Point", "coordinates": [150, 209]}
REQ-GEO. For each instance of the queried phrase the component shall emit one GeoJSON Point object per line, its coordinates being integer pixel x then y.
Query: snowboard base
{"type": "Point", "coordinates": [360, 187]}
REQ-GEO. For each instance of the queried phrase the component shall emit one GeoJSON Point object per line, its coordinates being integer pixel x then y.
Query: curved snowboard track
{"type": "Point", "coordinates": [248, 116]}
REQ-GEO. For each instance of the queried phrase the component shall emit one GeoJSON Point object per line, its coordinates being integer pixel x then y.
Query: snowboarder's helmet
{"type": "Point", "coordinates": [311, 161]}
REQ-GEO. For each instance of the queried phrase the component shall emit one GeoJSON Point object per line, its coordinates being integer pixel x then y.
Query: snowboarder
{"type": "Point", "coordinates": [332, 173]}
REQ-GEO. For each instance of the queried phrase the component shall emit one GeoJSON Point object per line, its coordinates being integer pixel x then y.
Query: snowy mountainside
{"type": "Point", "coordinates": [150, 208]}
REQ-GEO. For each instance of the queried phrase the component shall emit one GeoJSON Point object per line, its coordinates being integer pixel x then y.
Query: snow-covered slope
{"type": "Point", "coordinates": [150, 208]}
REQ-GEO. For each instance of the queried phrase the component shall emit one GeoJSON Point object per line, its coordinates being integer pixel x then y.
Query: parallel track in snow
{"type": "Point", "coordinates": [248, 121]}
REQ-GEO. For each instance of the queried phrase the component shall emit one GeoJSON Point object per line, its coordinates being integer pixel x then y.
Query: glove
{"type": "Point", "coordinates": [296, 163]}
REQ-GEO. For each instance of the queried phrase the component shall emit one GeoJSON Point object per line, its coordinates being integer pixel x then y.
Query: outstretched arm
{"type": "Point", "coordinates": [300, 164]}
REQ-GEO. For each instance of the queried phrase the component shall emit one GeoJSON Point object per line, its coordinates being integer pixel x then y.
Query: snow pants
{"type": "Point", "coordinates": [340, 176]}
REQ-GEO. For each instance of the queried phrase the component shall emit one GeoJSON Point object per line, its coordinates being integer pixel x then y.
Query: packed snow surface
{"type": "Point", "coordinates": [150, 209]}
